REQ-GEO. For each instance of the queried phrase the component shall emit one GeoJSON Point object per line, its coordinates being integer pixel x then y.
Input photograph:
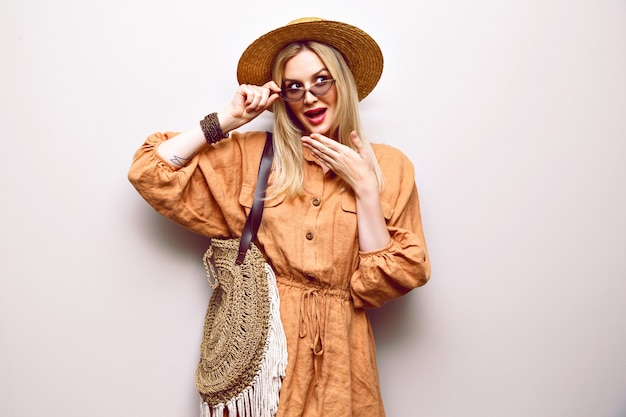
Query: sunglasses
{"type": "Point", "coordinates": [296, 94]}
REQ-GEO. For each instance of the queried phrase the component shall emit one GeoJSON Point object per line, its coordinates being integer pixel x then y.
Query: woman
{"type": "Point", "coordinates": [341, 225]}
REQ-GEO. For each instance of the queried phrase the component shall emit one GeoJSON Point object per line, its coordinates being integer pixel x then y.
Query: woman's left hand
{"type": "Point", "coordinates": [355, 167]}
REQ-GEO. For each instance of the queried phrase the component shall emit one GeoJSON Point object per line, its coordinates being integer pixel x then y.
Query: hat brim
{"type": "Point", "coordinates": [361, 52]}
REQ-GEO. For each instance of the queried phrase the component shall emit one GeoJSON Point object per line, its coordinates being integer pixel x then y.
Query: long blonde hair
{"type": "Point", "coordinates": [288, 175]}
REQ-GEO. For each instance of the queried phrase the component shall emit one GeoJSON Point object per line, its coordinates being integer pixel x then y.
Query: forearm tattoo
{"type": "Point", "coordinates": [179, 161]}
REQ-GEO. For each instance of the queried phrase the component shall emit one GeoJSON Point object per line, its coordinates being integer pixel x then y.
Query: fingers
{"type": "Point", "coordinates": [327, 148]}
{"type": "Point", "coordinates": [321, 146]}
{"type": "Point", "coordinates": [272, 86]}
{"type": "Point", "coordinates": [258, 98]}
{"type": "Point", "coordinates": [358, 144]}
{"type": "Point", "coordinates": [322, 142]}
{"type": "Point", "coordinates": [254, 97]}
{"type": "Point", "coordinates": [316, 150]}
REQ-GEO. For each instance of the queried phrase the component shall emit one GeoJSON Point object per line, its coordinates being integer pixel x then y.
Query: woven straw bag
{"type": "Point", "coordinates": [243, 354]}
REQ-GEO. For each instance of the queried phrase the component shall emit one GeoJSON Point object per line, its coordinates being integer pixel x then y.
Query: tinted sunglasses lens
{"type": "Point", "coordinates": [292, 94]}
{"type": "Point", "coordinates": [321, 88]}
{"type": "Point", "coordinates": [318, 89]}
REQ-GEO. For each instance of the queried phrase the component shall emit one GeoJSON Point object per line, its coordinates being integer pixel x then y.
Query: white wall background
{"type": "Point", "coordinates": [514, 113]}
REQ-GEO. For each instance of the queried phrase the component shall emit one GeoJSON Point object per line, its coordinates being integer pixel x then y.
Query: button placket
{"type": "Point", "coordinates": [314, 187]}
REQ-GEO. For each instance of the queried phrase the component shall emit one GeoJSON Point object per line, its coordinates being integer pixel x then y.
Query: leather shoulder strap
{"type": "Point", "coordinates": [253, 221]}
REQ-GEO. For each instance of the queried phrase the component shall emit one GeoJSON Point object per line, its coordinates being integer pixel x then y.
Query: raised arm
{"type": "Point", "coordinates": [249, 102]}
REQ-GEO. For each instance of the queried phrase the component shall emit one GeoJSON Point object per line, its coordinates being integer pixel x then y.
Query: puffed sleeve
{"type": "Point", "coordinates": [204, 195]}
{"type": "Point", "coordinates": [403, 265]}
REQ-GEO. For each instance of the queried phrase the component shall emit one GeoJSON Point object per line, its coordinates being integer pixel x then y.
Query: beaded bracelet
{"type": "Point", "coordinates": [212, 130]}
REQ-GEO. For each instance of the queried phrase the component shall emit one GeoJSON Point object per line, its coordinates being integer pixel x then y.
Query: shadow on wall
{"type": "Point", "coordinates": [174, 238]}
{"type": "Point", "coordinates": [395, 323]}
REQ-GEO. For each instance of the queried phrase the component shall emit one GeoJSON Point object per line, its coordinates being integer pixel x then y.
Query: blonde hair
{"type": "Point", "coordinates": [288, 176]}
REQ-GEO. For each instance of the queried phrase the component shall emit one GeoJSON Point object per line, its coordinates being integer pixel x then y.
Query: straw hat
{"type": "Point", "coordinates": [361, 52]}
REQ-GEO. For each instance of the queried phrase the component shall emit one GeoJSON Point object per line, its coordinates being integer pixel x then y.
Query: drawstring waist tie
{"type": "Point", "coordinates": [312, 303]}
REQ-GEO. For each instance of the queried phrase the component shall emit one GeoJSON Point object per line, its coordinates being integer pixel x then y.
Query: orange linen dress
{"type": "Point", "coordinates": [325, 283]}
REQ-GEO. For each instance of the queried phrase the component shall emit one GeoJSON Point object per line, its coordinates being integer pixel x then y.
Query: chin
{"type": "Point", "coordinates": [320, 130]}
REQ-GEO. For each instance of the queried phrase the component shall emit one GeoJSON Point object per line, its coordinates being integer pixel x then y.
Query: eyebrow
{"type": "Point", "coordinates": [314, 75]}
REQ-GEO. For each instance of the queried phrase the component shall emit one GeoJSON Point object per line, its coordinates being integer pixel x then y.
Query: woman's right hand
{"type": "Point", "coordinates": [249, 102]}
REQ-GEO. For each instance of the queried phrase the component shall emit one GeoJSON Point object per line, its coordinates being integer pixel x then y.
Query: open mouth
{"type": "Point", "coordinates": [315, 116]}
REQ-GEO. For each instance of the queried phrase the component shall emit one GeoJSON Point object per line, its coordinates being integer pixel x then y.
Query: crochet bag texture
{"type": "Point", "coordinates": [243, 354]}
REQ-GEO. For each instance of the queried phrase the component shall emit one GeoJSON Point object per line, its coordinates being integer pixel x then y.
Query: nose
{"type": "Point", "coordinates": [309, 97]}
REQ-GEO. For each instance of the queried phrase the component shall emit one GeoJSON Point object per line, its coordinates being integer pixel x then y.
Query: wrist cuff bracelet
{"type": "Point", "coordinates": [212, 130]}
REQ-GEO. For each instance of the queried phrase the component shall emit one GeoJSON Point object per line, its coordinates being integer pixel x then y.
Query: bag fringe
{"type": "Point", "coordinates": [260, 399]}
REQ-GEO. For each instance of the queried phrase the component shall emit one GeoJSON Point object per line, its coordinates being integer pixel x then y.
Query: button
{"type": "Point", "coordinates": [316, 201]}
{"type": "Point", "coordinates": [309, 235]}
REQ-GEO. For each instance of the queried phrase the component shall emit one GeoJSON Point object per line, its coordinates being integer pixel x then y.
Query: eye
{"type": "Point", "coordinates": [322, 78]}
{"type": "Point", "coordinates": [293, 85]}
